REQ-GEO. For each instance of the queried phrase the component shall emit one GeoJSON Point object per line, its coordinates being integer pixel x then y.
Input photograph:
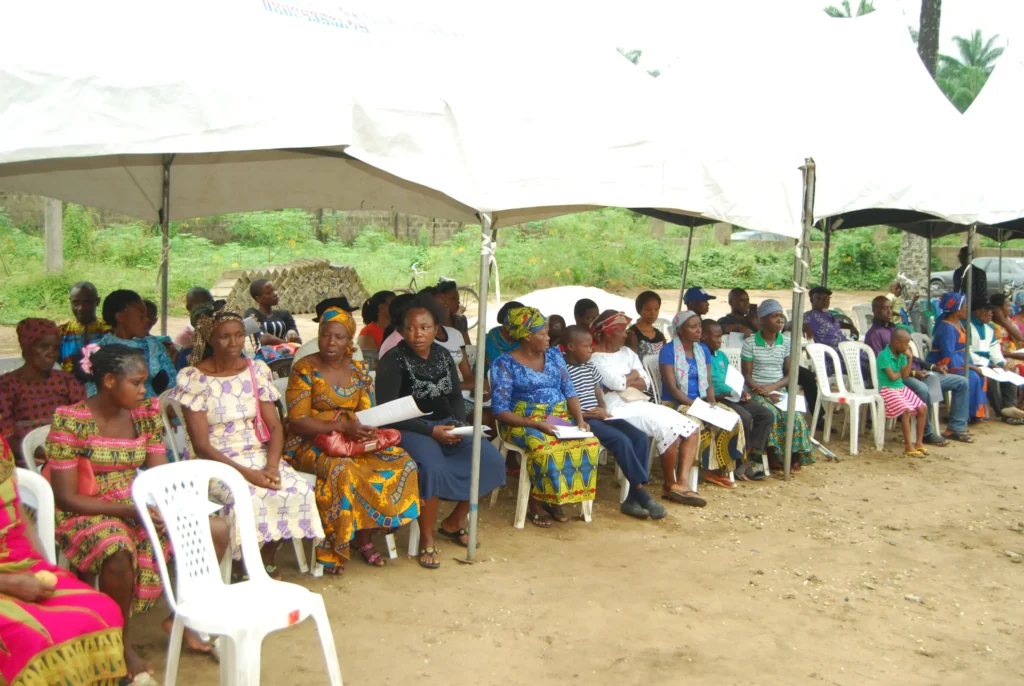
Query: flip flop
{"type": "Point", "coordinates": [922, 450]}
{"type": "Point", "coordinates": [961, 437]}
{"type": "Point", "coordinates": [938, 442]}
{"type": "Point", "coordinates": [685, 498]}
{"type": "Point", "coordinates": [456, 536]}
{"type": "Point", "coordinates": [912, 453]}
{"type": "Point", "coordinates": [540, 520]}
{"type": "Point", "coordinates": [1012, 421]}
{"type": "Point", "coordinates": [432, 551]}
{"type": "Point", "coordinates": [720, 481]}
{"type": "Point", "coordinates": [372, 557]}
{"type": "Point", "coordinates": [556, 512]}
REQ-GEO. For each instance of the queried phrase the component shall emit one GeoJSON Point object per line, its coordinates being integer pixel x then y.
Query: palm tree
{"type": "Point", "coordinates": [631, 55]}
{"type": "Point", "coordinates": [865, 7]}
{"type": "Point", "coordinates": [962, 79]}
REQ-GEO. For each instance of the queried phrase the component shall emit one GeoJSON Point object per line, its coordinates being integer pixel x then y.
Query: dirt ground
{"type": "Point", "coordinates": [878, 569]}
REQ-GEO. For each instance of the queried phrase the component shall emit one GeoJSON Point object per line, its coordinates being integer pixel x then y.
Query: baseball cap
{"type": "Point", "coordinates": [697, 294]}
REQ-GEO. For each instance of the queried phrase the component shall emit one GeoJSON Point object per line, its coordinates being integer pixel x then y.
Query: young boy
{"type": "Point", "coordinates": [625, 442]}
{"type": "Point", "coordinates": [900, 401]}
{"type": "Point", "coordinates": [556, 331]}
{"type": "Point", "coordinates": [757, 419]}
{"type": "Point", "coordinates": [585, 311]}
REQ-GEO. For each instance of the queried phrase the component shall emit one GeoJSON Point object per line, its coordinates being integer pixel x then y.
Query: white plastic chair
{"type": "Point", "coordinates": [174, 435]}
{"type": "Point", "coordinates": [33, 439]}
{"type": "Point", "coordinates": [242, 614]}
{"type": "Point", "coordinates": [831, 400]}
{"type": "Point", "coordinates": [308, 348]}
{"type": "Point", "coordinates": [851, 352]}
{"type": "Point", "coordinates": [923, 343]}
{"type": "Point", "coordinates": [282, 404]}
{"type": "Point", "coordinates": [653, 370]}
{"type": "Point", "coordinates": [36, 493]}
{"type": "Point", "coordinates": [735, 360]}
{"type": "Point", "coordinates": [9, 364]}
{"type": "Point", "coordinates": [862, 317]}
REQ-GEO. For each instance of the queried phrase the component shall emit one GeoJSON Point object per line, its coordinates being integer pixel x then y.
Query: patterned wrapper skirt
{"type": "Point", "coordinates": [899, 401]}
{"type": "Point", "coordinates": [719, 449]}
{"type": "Point", "coordinates": [777, 437]}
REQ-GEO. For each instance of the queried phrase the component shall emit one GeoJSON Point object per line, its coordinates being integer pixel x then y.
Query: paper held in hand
{"type": "Point", "coordinates": [1001, 375]}
{"type": "Point", "coordinates": [468, 430]}
{"type": "Point", "coordinates": [734, 380]}
{"type": "Point", "coordinates": [783, 404]}
{"type": "Point", "coordinates": [568, 433]}
{"type": "Point", "coordinates": [389, 413]}
{"type": "Point", "coordinates": [716, 416]}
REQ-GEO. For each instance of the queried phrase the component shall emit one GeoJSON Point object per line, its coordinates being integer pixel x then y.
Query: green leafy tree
{"type": "Point", "coordinates": [634, 57]}
{"type": "Point", "coordinates": [962, 78]}
{"type": "Point", "coordinates": [844, 11]}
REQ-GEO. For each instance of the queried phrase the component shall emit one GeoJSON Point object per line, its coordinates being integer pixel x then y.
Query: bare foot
{"type": "Point", "coordinates": [134, 663]}
{"type": "Point", "coordinates": [192, 641]}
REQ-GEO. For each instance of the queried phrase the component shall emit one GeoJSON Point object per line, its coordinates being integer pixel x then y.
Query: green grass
{"type": "Point", "coordinates": [610, 249]}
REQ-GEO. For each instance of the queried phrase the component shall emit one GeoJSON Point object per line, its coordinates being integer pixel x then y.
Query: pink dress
{"type": "Point", "coordinates": [74, 637]}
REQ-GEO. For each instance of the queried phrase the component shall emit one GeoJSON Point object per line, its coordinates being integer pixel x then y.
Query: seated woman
{"type": "Point", "coordinates": [125, 312]}
{"type": "Point", "coordinates": [357, 494]}
{"type": "Point", "coordinates": [531, 394]}
{"type": "Point", "coordinates": [277, 327]}
{"type": "Point", "coordinates": [231, 417]}
{"type": "Point", "coordinates": [676, 436]}
{"type": "Point", "coordinates": [76, 333]}
{"type": "Point", "coordinates": [949, 350]}
{"type": "Point", "coordinates": [54, 628]}
{"type": "Point", "coordinates": [499, 341]}
{"type": "Point", "coordinates": [376, 318]}
{"type": "Point", "coordinates": [95, 451]}
{"type": "Point", "coordinates": [764, 360]}
{"type": "Point", "coordinates": [417, 367]}
{"type": "Point", "coordinates": [643, 338]}
{"type": "Point", "coordinates": [1008, 332]}
{"type": "Point", "coordinates": [685, 376]}
{"type": "Point", "coordinates": [392, 336]}
{"type": "Point", "coordinates": [447, 293]}
{"type": "Point", "coordinates": [30, 394]}
{"type": "Point", "coordinates": [986, 351]}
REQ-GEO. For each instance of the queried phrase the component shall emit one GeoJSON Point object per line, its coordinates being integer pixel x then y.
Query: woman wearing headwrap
{"type": "Point", "coordinates": [949, 346]}
{"type": "Point", "coordinates": [675, 436]}
{"type": "Point", "coordinates": [357, 494]}
{"type": "Point", "coordinates": [499, 340]}
{"type": "Point", "coordinates": [419, 368]}
{"type": "Point", "coordinates": [531, 394]}
{"type": "Point", "coordinates": [764, 361]}
{"type": "Point", "coordinates": [1008, 332]}
{"type": "Point", "coordinates": [685, 376]}
{"type": "Point", "coordinates": [230, 408]}
{"type": "Point", "coordinates": [30, 394]}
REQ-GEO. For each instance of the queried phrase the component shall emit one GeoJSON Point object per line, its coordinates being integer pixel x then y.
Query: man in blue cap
{"type": "Point", "coordinates": [696, 300]}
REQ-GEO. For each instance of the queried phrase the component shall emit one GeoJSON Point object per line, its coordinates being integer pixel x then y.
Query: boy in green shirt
{"type": "Point", "coordinates": [900, 401]}
{"type": "Point", "coordinates": [757, 419]}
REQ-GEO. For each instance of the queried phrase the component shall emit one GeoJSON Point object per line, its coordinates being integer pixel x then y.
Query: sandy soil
{"type": "Point", "coordinates": [878, 569]}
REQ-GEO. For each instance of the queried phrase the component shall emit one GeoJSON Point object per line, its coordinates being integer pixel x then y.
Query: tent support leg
{"type": "Point", "coordinates": [487, 247]}
{"type": "Point", "coordinates": [1000, 238]}
{"type": "Point", "coordinates": [825, 251]}
{"type": "Point", "coordinates": [969, 276]}
{"type": "Point", "coordinates": [801, 264]}
{"type": "Point", "coordinates": [928, 283]}
{"type": "Point", "coordinates": [686, 266]}
{"type": "Point", "coordinates": [165, 241]}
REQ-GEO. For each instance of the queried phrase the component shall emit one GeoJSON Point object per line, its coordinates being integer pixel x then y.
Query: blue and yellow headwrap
{"type": "Point", "coordinates": [951, 302]}
{"type": "Point", "coordinates": [337, 314]}
{"type": "Point", "coordinates": [524, 321]}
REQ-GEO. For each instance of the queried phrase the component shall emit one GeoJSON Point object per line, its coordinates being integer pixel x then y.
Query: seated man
{"type": "Point", "coordinates": [697, 300]}
{"type": "Point", "coordinates": [84, 328]}
{"type": "Point", "coordinates": [927, 381]}
{"type": "Point", "coordinates": [741, 319]}
{"type": "Point", "coordinates": [901, 309]}
{"type": "Point", "coordinates": [823, 326]}
{"type": "Point", "coordinates": [585, 311]}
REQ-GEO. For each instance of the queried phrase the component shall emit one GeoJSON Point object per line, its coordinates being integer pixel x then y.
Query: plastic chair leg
{"type": "Point", "coordinates": [323, 629]}
{"type": "Point", "coordinates": [694, 476]}
{"type": "Point", "coordinates": [814, 418]}
{"type": "Point", "coordinates": [174, 651]}
{"type": "Point", "coordinates": [587, 509]}
{"type": "Point", "coordinates": [764, 463]}
{"type": "Point", "coordinates": [392, 548]}
{"type": "Point", "coordinates": [936, 426]}
{"type": "Point", "coordinates": [225, 567]}
{"type": "Point", "coordinates": [623, 484]}
{"type": "Point", "coordinates": [414, 539]}
{"type": "Point", "coordinates": [854, 434]}
{"type": "Point", "coordinates": [300, 555]}
{"type": "Point", "coordinates": [523, 497]}
{"type": "Point", "coordinates": [228, 659]}
{"type": "Point", "coordinates": [494, 497]}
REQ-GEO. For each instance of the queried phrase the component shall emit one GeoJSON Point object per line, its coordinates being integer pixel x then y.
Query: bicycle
{"type": "Point", "coordinates": [468, 298]}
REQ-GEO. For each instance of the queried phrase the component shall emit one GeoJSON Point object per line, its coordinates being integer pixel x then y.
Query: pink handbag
{"type": "Point", "coordinates": [262, 432]}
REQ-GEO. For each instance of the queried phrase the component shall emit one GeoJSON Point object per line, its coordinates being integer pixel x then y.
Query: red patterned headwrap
{"type": "Point", "coordinates": [609, 321]}
{"type": "Point", "coordinates": [31, 330]}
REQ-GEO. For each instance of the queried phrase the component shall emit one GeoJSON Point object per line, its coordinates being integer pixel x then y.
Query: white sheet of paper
{"type": "Point", "coordinates": [1013, 377]}
{"type": "Point", "coordinates": [734, 380]}
{"type": "Point", "coordinates": [566, 433]}
{"type": "Point", "coordinates": [395, 411]}
{"type": "Point", "coordinates": [992, 373]}
{"type": "Point", "coordinates": [783, 404]}
{"type": "Point", "coordinates": [467, 430]}
{"type": "Point", "coordinates": [716, 416]}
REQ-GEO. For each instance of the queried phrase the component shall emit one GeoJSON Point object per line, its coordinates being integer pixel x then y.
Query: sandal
{"type": "Point", "coordinates": [1013, 421]}
{"type": "Point", "coordinates": [432, 553]}
{"type": "Point", "coordinates": [140, 679]}
{"type": "Point", "coordinates": [962, 437]}
{"type": "Point", "coordinates": [937, 441]}
{"type": "Point", "coordinates": [556, 512]}
{"type": "Point", "coordinates": [456, 536]}
{"type": "Point", "coordinates": [755, 472]}
{"type": "Point", "coordinates": [373, 557]}
{"type": "Point", "coordinates": [922, 450]}
{"type": "Point", "coordinates": [720, 481]}
{"type": "Point", "coordinates": [539, 519]}
{"type": "Point", "coordinates": [273, 572]}
{"type": "Point", "coordinates": [912, 453]}
{"type": "Point", "coordinates": [685, 498]}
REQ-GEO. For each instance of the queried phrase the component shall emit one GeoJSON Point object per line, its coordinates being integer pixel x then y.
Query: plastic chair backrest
{"type": "Point", "coordinates": [818, 352]}
{"type": "Point", "coordinates": [923, 343]}
{"type": "Point", "coordinates": [663, 325]}
{"type": "Point", "coordinates": [282, 404]}
{"type": "Point", "coordinates": [180, 492]}
{"type": "Point", "coordinates": [862, 317]}
{"type": "Point", "coordinates": [34, 439]}
{"type": "Point", "coordinates": [36, 493]}
{"type": "Point", "coordinates": [734, 357]}
{"type": "Point", "coordinates": [169, 407]}
{"type": "Point", "coordinates": [653, 371]}
{"type": "Point", "coordinates": [9, 364]}
{"type": "Point", "coordinates": [851, 352]}
{"type": "Point", "coordinates": [914, 350]}
{"type": "Point", "coordinates": [308, 348]}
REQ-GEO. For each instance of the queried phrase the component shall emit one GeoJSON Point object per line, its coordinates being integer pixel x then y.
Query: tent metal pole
{"type": "Point", "coordinates": [1000, 235]}
{"type": "Point", "coordinates": [487, 247]}
{"type": "Point", "coordinates": [801, 264]}
{"type": "Point", "coordinates": [686, 266]}
{"type": "Point", "coordinates": [969, 275]}
{"type": "Point", "coordinates": [165, 241]}
{"type": "Point", "coordinates": [928, 283]}
{"type": "Point", "coordinates": [825, 251]}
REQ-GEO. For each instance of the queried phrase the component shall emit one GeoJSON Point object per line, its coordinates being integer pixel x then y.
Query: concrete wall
{"type": "Point", "coordinates": [947, 254]}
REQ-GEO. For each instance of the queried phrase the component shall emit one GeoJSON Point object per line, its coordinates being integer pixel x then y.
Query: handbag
{"type": "Point", "coordinates": [86, 477]}
{"type": "Point", "coordinates": [337, 444]}
{"type": "Point", "coordinates": [262, 432]}
{"type": "Point", "coordinates": [632, 395]}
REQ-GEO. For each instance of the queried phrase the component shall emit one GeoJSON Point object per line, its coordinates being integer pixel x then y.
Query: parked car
{"type": "Point", "coordinates": [759, 236]}
{"type": "Point", "coordinates": [1013, 272]}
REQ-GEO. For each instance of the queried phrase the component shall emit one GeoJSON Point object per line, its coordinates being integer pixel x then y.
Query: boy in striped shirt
{"type": "Point", "coordinates": [628, 444]}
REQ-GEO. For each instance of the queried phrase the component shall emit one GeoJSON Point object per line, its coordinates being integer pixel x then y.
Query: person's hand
{"type": "Point", "coordinates": [596, 413]}
{"type": "Point", "coordinates": [357, 431]}
{"type": "Point", "coordinates": [920, 374]}
{"type": "Point", "coordinates": [27, 588]}
{"type": "Point", "coordinates": [712, 401]}
{"type": "Point", "coordinates": [293, 337]}
{"type": "Point", "coordinates": [757, 390]}
{"type": "Point", "coordinates": [273, 472]}
{"type": "Point", "coordinates": [545, 428]}
{"type": "Point", "coordinates": [443, 435]}
{"type": "Point", "coordinates": [774, 396]}
{"type": "Point", "coordinates": [258, 478]}
{"type": "Point", "coordinates": [639, 384]}
{"type": "Point", "coordinates": [942, 368]}
{"type": "Point", "coordinates": [744, 397]}
{"type": "Point", "coordinates": [158, 521]}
